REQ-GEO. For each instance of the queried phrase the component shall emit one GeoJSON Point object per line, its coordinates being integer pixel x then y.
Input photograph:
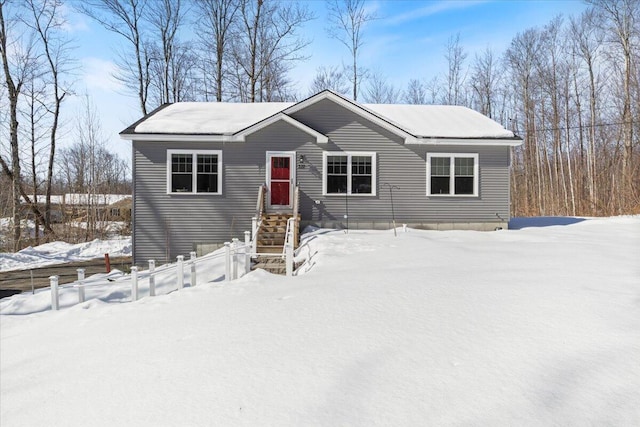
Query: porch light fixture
{"type": "Point", "coordinates": [301, 161]}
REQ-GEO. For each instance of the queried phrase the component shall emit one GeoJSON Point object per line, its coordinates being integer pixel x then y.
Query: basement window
{"type": "Point", "coordinates": [194, 172]}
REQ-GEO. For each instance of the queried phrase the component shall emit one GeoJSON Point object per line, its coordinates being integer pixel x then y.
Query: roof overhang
{"type": "Point", "coordinates": [172, 137]}
{"type": "Point", "coordinates": [236, 137]}
{"type": "Point", "coordinates": [504, 142]}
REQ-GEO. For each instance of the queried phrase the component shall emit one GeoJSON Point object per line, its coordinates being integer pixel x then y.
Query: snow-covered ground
{"type": "Point", "coordinates": [61, 252]}
{"type": "Point", "coordinates": [533, 326]}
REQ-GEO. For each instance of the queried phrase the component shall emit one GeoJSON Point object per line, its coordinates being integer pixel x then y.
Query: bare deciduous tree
{"type": "Point", "coordinates": [485, 79]}
{"type": "Point", "coordinates": [416, 92]}
{"type": "Point", "coordinates": [266, 40]}
{"type": "Point", "coordinates": [91, 169]}
{"type": "Point", "coordinates": [622, 19]}
{"type": "Point", "coordinates": [18, 61]}
{"type": "Point", "coordinates": [125, 17]}
{"type": "Point", "coordinates": [166, 17]}
{"type": "Point", "coordinates": [380, 91]}
{"type": "Point", "coordinates": [587, 39]}
{"type": "Point", "coordinates": [47, 23]}
{"type": "Point", "coordinates": [332, 78]}
{"type": "Point", "coordinates": [214, 31]}
{"type": "Point", "coordinates": [348, 19]}
{"type": "Point", "coordinates": [456, 74]}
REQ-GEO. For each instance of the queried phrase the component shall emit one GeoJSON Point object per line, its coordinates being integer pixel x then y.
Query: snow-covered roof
{"type": "Point", "coordinates": [412, 121]}
{"type": "Point", "coordinates": [216, 118]}
{"type": "Point", "coordinates": [442, 121]}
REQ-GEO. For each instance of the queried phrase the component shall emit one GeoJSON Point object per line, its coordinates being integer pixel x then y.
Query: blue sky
{"type": "Point", "coordinates": [407, 41]}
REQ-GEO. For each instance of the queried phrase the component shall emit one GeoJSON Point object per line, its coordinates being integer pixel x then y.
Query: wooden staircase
{"type": "Point", "coordinates": [271, 234]}
{"type": "Point", "coordinates": [271, 238]}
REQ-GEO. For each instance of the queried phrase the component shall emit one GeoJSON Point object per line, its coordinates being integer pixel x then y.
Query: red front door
{"type": "Point", "coordinates": [280, 185]}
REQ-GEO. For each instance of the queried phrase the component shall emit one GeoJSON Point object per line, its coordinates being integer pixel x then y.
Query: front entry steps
{"type": "Point", "coordinates": [270, 240]}
{"type": "Point", "coordinates": [272, 264]}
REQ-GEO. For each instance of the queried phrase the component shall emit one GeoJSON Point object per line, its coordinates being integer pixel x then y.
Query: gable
{"type": "Point", "coordinates": [321, 138]}
{"type": "Point", "coordinates": [334, 119]}
{"type": "Point", "coordinates": [328, 98]}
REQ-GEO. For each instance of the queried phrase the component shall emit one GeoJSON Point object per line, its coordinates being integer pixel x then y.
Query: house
{"type": "Point", "coordinates": [77, 206]}
{"type": "Point", "coordinates": [198, 169]}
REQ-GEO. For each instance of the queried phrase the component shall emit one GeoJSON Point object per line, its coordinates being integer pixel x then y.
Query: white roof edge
{"type": "Point", "coordinates": [466, 141]}
{"type": "Point", "coordinates": [321, 138]}
{"type": "Point", "coordinates": [171, 137]}
{"type": "Point", "coordinates": [352, 106]}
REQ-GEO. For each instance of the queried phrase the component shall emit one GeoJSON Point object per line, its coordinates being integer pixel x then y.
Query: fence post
{"type": "Point", "coordinates": [152, 278]}
{"type": "Point", "coordinates": [80, 285]}
{"type": "Point", "coordinates": [227, 261]}
{"type": "Point", "coordinates": [53, 282]}
{"type": "Point", "coordinates": [289, 258]}
{"type": "Point", "coordinates": [247, 252]}
{"type": "Point", "coordinates": [134, 283]}
{"type": "Point", "coordinates": [180, 271]}
{"type": "Point", "coordinates": [193, 268]}
{"type": "Point", "coordinates": [235, 243]}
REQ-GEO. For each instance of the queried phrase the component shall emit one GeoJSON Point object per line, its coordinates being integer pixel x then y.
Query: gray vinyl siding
{"type": "Point", "coordinates": [169, 225]}
{"type": "Point", "coordinates": [178, 222]}
{"type": "Point", "coordinates": [403, 166]}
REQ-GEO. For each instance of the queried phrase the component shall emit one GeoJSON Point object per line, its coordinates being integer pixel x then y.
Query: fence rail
{"type": "Point", "coordinates": [237, 262]}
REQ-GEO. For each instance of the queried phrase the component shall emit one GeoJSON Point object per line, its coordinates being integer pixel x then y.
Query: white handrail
{"type": "Point", "coordinates": [296, 204]}
{"type": "Point", "coordinates": [261, 199]}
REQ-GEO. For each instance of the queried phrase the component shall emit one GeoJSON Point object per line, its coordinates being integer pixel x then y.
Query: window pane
{"type": "Point", "coordinates": [464, 166]}
{"type": "Point", "coordinates": [440, 166]}
{"type": "Point", "coordinates": [336, 174]}
{"type": "Point", "coordinates": [207, 179]}
{"type": "Point", "coordinates": [207, 163]}
{"type": "Point", "coordinates": [361, 184]}
{"type": "Point", "coordinates": [361, 175]}
{"type": "Point", "coordinates": [207, 183]}
{"type": "Point", "coordinates": [439, 185]}
{"type": "Point", "coordinates": [361, 165]}
{"type": "Point", "coordinates": [181, 183]}
{"type": "Point", "coordinates": [336, 184]}
{"type": "Point", "coordinates": [181, 176]}
{"type": "Point", "coordinates": [337, 165]}
{"type": "Point", "coordinates": [181, 163]}
{"type": "Point", "coordinates": [464, 185]}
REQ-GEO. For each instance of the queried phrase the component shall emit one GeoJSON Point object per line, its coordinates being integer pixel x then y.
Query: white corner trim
{"type": "Point", "coordinates": [320, 138]}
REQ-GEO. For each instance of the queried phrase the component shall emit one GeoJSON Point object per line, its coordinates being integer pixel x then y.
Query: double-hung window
{"type": "Point", "coordinates": [349, 173]}
{"type": "Point", "coordinates": [452, 174]}
{"type": "Point", "coordinates": [194, 171]}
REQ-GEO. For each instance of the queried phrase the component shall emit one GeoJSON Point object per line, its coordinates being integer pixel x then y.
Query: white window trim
{"type": "Point", "coordinates": [350, 154]}
{"type": "Point", "coordinates": [194, 173]}
{"type": "Point", "coordinates": [452, 157]}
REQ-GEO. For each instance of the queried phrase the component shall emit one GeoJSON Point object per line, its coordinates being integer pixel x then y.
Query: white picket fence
{"type": "Point", "coordinates": [237, 262]}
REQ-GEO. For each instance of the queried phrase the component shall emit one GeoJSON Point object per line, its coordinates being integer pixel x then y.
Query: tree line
{"type": "Point", "coordinates": [570, 89]}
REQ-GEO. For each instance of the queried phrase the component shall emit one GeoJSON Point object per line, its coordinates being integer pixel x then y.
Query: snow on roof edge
{"type": "Point", "coordinates": [222, 118]}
